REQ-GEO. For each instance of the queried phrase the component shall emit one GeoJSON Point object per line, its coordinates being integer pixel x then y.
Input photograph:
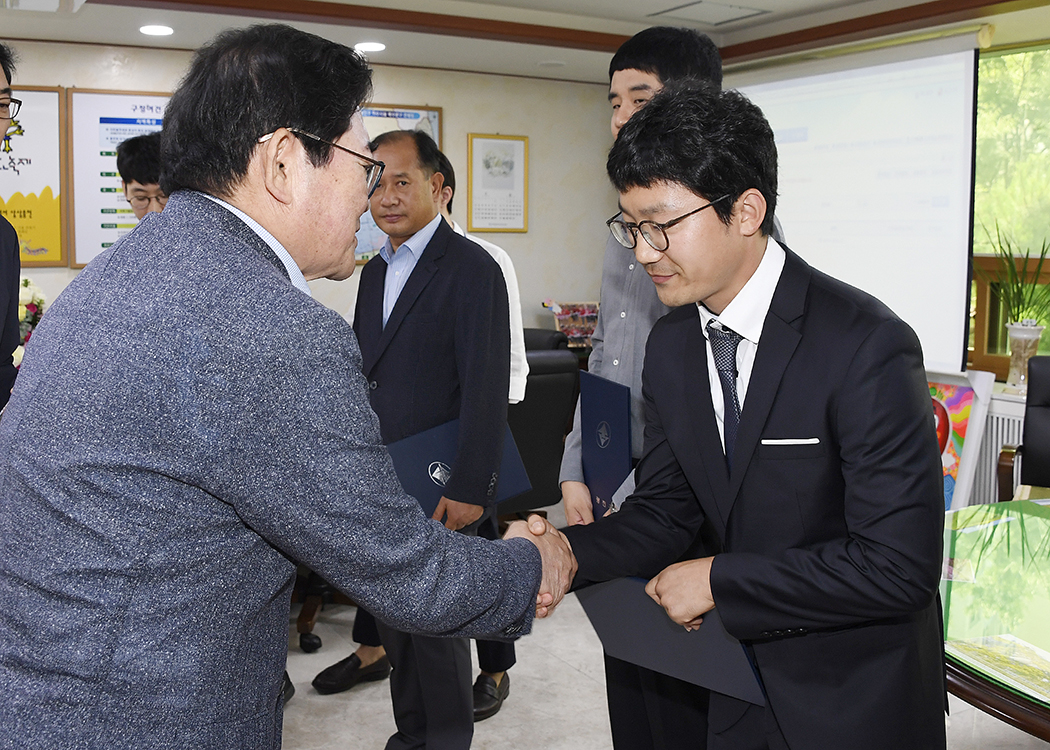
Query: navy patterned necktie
{"type": "Point", "coordinates": [723, 345]}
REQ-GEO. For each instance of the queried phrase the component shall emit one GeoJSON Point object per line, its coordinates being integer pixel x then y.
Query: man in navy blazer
{"type": "Point", "coordinates": [189, 424]}
{"type": "Point", "coordinates": [791, 412]}
{"type": "Point", "coordinates": [433, 321]}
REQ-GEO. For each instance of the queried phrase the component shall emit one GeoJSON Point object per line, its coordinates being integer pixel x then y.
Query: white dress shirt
{"type": "Point", "coordinates": [745, 314]}
{"type": "Point", "coordinates": [519, 365]}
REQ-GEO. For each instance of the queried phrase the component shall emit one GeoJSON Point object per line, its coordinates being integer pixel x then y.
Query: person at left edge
{"type": "Point", "coordinates": [189, 424]}
{"type": "Point", "coordinates": [432, 319]}
{"type": "Point", "coordinates": [10, 264]}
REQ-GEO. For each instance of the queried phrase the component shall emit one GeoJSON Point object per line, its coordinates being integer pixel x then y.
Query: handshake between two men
{"type": "Point", "coordinates": [682, 589]}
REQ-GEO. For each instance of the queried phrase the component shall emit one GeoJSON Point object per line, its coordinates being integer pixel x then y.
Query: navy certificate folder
{"type": "Point", "coordinates": [605, 428]}
{"type": "Point", "coordinates": [634, 628]}
{"type": "Point", "coordinates": [423, 463]}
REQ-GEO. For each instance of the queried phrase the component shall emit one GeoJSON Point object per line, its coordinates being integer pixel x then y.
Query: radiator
{"type": "Point", "coordinates": [1002, 427]}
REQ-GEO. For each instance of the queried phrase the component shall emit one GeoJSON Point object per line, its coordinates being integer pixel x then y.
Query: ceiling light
{"type": "Point", "coordinates": [157, 30]}
{"type": "Point", "coordinates": [364, 47]}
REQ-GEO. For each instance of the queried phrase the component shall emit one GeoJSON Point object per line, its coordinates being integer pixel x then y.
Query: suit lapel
{"type": "Point", "coordinates": [368, 317]}
{"type": "Point", "coordinates": [425, 269]}
{"type": "Point", "coordinates": [700, 414]}
{"type": "Point", "coordinates": [780, 338]}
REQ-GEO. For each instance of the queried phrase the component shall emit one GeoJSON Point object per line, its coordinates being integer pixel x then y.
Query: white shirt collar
{"type": "Point", "coordinates": [296, 275]}
{"type": "Point", "coordinates": [746, 312]}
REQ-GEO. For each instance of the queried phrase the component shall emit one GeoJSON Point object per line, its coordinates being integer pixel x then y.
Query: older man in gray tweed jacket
{"type": "Point", "coordinates": [189, 423]}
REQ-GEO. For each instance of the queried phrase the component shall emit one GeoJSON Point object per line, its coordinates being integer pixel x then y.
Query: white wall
{"type": "Point", "coordinates": [567, 125]}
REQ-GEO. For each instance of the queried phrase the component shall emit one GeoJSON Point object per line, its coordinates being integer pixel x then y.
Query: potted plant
{"type": "Point", "coordinates": [1024, 300]}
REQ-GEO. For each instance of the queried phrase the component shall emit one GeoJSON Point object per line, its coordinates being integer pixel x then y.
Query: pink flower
{"type": "Point", "coordinates": [31, 308]}
{"type": "Point", "coordinates": [28, 334]}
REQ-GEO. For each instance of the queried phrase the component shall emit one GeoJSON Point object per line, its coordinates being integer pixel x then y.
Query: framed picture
{"type": "Point", "coordinates": [33, 176]}
{"type": "Point", "coordinates": [381, 118]}
{"type": "Point", "coordinates": [99, 122]}
{"type": "Point", "coordinates": [497, 183]}
{"type": "Point", "coordinates": [960, 404]}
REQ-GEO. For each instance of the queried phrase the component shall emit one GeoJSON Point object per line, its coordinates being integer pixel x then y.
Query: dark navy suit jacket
{"type": "Point", "coordinates": [443, 354]}
{"type": "Point", "coordinates": [9, 332]}
{"type": "Point", "coordinates": [831, 520]}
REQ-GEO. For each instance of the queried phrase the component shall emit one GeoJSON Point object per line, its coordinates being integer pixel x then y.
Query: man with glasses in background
{"type": "Point", "coordinates": [10, 264]}
{"type": "Point", "coordinates": [138, 161]}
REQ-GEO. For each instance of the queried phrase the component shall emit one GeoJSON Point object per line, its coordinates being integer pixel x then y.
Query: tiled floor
{"type": "Point", "coordinates": [557, 697]}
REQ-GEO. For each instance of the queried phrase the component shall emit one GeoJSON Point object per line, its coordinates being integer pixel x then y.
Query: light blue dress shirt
{"type": "Point", "coordinates": [298, 280]}
{"type": "Point", "coordinates": [401, 263]}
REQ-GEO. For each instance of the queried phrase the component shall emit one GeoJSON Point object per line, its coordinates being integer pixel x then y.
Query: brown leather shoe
{"type": "Point", "coordinates": [344, 674]}
{"type": "Point", "coordinates": [488, 696]}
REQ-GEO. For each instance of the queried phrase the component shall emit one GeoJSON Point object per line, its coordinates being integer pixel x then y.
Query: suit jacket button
{"type": "Point", "coordinates": [373, 385]}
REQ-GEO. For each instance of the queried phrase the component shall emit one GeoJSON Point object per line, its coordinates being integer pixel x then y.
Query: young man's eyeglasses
{"type": "Point", "coordinates": [9, 107]}
{"type": "Point", "coordinates": [627, 233]}
{"type": "Point", "coordinates": [373, 169]}
{"type": "Point", "coordinates": [142, 202]}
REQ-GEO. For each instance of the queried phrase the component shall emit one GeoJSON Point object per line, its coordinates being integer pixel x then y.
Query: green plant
{"type": "Point", "coordinates": [1015, 283]}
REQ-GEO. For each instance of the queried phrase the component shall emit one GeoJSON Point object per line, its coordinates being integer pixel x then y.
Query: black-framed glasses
{"type": "Point", "coordinates": [373, 170]}
{"type": "Point", "coordinates": [653, 233]}
{"type": "Point", "coordinates": [142, 201]}
{"type": "Point", "coordinates": [9, 107]}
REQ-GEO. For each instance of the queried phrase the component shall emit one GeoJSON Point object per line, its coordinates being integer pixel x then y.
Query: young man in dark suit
{"type": "Point", "coordinates": [10, 262]}
{"type": "Point", "coordinates": [791, 412]}
{"type": "Point", "coordinates": [433, 323]}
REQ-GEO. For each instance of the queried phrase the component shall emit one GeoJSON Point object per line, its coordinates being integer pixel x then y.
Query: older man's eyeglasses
{"type": "Point", "coordinates": [626, 233]}
{"type": "Point", "coordinates": [373, 169]}
{"type": "Point", "coordinates": [9, 107]}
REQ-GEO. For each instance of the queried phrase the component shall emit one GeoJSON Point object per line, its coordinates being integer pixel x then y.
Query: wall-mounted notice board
{"type": "Point", "coordinates": [99, 121]}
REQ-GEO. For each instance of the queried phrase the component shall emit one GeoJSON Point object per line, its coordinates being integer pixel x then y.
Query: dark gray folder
{"type": "Point", "coordinates": [423, 463]}
{"type": "Point", "coordinates": [634, 628]}
{"type": "Point", "coordinates": [605, 429]}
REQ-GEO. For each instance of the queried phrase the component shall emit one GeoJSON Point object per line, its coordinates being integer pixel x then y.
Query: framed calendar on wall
{"type": "Point", "coordinates": [497, 183]}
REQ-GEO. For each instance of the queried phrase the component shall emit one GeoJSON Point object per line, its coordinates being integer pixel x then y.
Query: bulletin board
{"type": "Point", "coordinates": [99, 120]}
{"type": "Point", "coordinates": [382, 118]}
{"type": "Point", "coordinates": [33, 176]}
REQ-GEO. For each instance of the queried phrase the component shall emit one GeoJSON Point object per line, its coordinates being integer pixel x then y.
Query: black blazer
{"type": "Point", "coordinates": [444, 353]}
{"type": "Point", "coordinates": [832, 548]}
{"type": "Point", "coordinates": [9, 331]}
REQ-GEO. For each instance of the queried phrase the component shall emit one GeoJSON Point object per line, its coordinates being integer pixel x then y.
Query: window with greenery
{"type": "Point", "coordinates": [1012, 188]}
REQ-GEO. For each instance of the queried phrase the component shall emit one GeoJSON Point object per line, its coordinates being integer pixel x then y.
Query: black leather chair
{"type": "Point", "coordinates": [538, 424]}
{"type": "Point", "coordinates": [545, 338]}
{"type": "Point", "coordinates": [1034, 450]}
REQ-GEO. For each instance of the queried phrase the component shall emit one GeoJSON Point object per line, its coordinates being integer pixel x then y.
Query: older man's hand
{"type": "Point", "coordinates": [559, 564]}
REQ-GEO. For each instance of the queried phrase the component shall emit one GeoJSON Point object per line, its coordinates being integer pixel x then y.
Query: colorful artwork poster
{"type": "Point", "coordinates": [101, 122]}
{"type": "Point", "coordinates": [951, 410]}
{"type": "Point", "coordinates": [31, 176]}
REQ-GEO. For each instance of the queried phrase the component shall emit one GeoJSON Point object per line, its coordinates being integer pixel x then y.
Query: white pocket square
{"type": "Point", "coordinates": [791, 441]}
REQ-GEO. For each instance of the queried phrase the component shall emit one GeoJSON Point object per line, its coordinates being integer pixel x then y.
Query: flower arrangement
{"type": "Point", "coordinates": [31, 301]}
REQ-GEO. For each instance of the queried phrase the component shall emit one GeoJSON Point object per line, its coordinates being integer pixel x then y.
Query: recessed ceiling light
{"type": "Point", "coordinates": [364, 47]}
{"type": "Point", "coordinates": [157, 30]}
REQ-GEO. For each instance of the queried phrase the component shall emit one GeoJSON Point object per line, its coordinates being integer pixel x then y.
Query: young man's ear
{"type": "Point", "coordinates": [750, 211]}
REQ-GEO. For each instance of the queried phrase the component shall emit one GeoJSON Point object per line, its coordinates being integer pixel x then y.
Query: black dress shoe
{"type": "Point", "coordinates": [488, 696]}
{"type": "Point", "coordinates": [344, 674]}
{"type": "Point", "coordinates": [287, 689]}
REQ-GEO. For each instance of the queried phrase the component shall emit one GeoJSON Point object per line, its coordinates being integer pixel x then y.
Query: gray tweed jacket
{"type": "Point", "coordinates": [185, 428]}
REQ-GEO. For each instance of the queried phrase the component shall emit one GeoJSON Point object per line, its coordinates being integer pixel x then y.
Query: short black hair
{"type": "Point", "coordinates": [670, 54]}
{"type": "Point", "coordinates": [8, 58]}
{"type": "Point", "coordinates": [446, 170]}
{"type": "Point", "coordinates": [247, 83]}
{"type": "Point", "coordinates": [427, 151]}
{"type": "Point", "coordinates": [138, 159]}
{"type": "Point", "coordinates": [712, 142]}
